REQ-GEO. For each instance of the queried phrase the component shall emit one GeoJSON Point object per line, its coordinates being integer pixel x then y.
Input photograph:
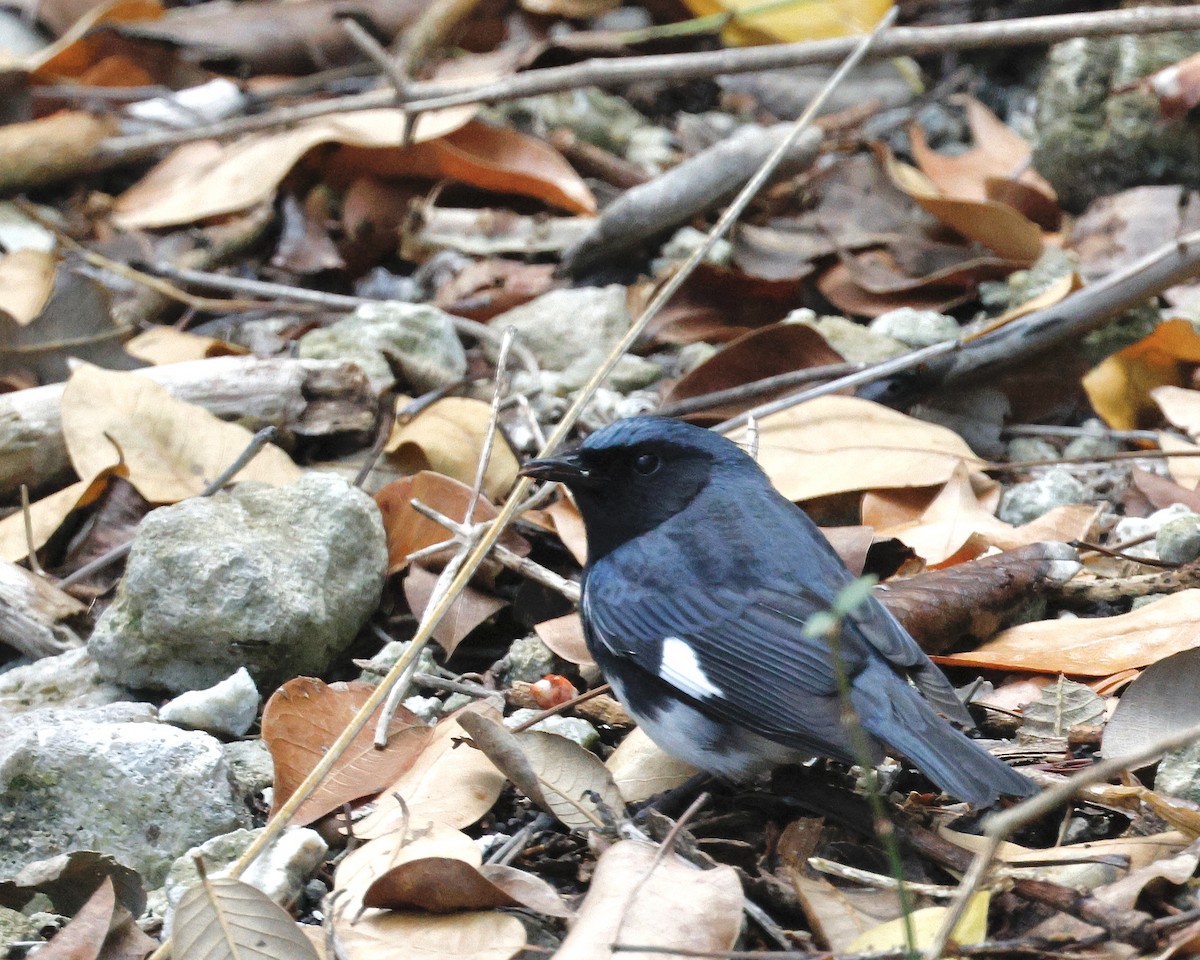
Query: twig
{"type": "Point", "coordinates": [34, 565]}
{"type": "Point", "coordinates": [489, 436]}
{"type": "Point", "coordinates": [562, 707]}
{"type": "Point", "coordinates": [333, 301]}
{"type": "Point", "coordinates": [899, 42]}
{"type": "Point", "coordinates": [879, 880]}
{"type": "Point", "coordinates": [999, 826]}
{"type": "Point", "coordinates": [257, 442]}
{"type": "Point", "coordinates": [757, 388]}
{"type": "Point", "coordinates": [378, 55]}
{"type": "Point", "coordinates": [436, 610]}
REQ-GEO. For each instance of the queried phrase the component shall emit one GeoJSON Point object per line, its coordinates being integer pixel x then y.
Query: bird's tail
{"type": "Point", "coordinates": [891, 710]}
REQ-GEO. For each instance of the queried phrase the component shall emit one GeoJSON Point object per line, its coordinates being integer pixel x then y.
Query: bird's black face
{"type": "Point", "coordinates": [626, 490]}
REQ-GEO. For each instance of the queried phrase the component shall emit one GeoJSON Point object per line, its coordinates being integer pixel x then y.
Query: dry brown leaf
{"type": "Point", "coordinates": [408, 531]}
{"type": "Point", "coordinates": [1120, 387]}
{"type": "Point", "coordinates": [447, 437]}
{"type": "Point", "coordinates": [84, 936]}
{"type": "Point", "coordinates": [76, 49]}
{"type": "Point", "coordinates": [844, 444]}
{"type": "Point", "coordinates": [1178, 869]}
{"type": "Point", "coordinates": [450, 783]}
{"type": "Point", "coordinates": [498, 159]}
{"type": "Point", "coordinates": [48, 514]}
{"type": "Point", "coordinates": [162, 345]}
{"type": "Point", "coordinates": [447, 885]}
{"type": "Point", "coordinates": [997, 226]}
{"type": "Point", "coordinates": [171, 449]}
{"type": "Point", "coordinates": [999, 152]}
{"type": "Point", "coordinates": [300, 721]}
{"type": "Point", "coordinates": [641, 769]}
{"type": "Point", "coordinates": [635, 898]}
{"type": "Point", "coordinates": [1161, 701]}
{"type": "Point", "coordinates": [1094, 647]}
{"type": "Point", "coordinates": [571, 9]}
{"type": "Point", "coordinates": [958, 522]}
{"type": "Point", "coordinates": [839, 915]}
{"type": "Point", "coordinates": [207, 179]}
{"type": "Point", "coordinates": [563, 518]}
{"type": "Point", "coordinates": [779, 348]}
{"type": "Point", "coordinates": [564, 637]}
{"type": "Point", "coordinates": [26, 282]}
{"type": "Point", "coordinates": [470, 608]}
{"type": "Point", "coordinates": [382, 935]}
{"type": "Point", "coordinates": [1185, 471]}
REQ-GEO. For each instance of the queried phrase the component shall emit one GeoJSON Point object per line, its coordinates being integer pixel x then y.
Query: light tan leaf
{"type": "Point", "coordinates": [305, 716]}
{"type": "Point", "coordinates": [207, 179]}
{"type": "Point", "coordinates": [450, 783]}
{"type": "Point", "coordinates": [162, 345]}
{"type": "Point", "coordinates": [383, 935]}
{"type": "Point", "coordinates": [925, 923]}
{"type": "Point", "coordinates": [636, 899]}
{"type": "Point", "coordinates": [1185, 471]}
{"type": "Point", "coordinates": [641, 769]}
{"type": "Point", "coordinates": [839, 915]}
{"type": "Point", "coordinates": [1094, 647]}
{"type": "Point", "coordinates": [26, 282]}
{"type": "Point", "coordinates": [564, 636]}
{"type": "Point", "coordinates": [447, 437]}
{"type": "Point", "coordinates": [222, 918]}
{"type": "Point", "coordinates": [171, 449]}
{"type": "Point", "coordinates": [558, 774]}
{"type": "Point", "coordinates": [48, 514]}
{"type": "Point", "coordinates": [1178, 869]}
{"type": "Point", "coordinates": [1181, 407]}
{"type": "Point", "coordinates": [1161, 701]}
{"type": "Point", "coordinates": [844, 444]}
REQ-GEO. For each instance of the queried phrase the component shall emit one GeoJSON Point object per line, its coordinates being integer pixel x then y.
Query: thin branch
{"type": "Point", "coordinates": [31, 550]}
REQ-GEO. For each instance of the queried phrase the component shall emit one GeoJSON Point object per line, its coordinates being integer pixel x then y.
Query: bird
{"type": "Point", "coordinates": [699, 579]}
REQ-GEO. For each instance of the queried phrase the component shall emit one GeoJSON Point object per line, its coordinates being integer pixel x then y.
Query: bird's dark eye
{"type": "Point", "coordinates": [647, 464]}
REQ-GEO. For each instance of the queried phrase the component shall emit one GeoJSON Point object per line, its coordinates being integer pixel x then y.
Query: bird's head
{"type": "Point", "coordinates": [634, 474]}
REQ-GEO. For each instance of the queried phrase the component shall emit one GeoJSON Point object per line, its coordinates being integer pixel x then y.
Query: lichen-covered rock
{"type": "Point", "coordinates": [1023, 502]}
{"type": "Point", "coordinates": [276, 579]}
{"type": "Point", "coordinates": [562, 325]}
{"type": "Point", "coordinates": [420, 339]}
{"type": "Point", "coordinates": [70, 680]}
{"type": "Point", "coordinates": [141, 792]}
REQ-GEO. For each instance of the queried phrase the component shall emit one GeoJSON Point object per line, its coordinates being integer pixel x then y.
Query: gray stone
{"type": "Point", "coordinates": [593, 115]}
{"type": "Point", "coordinates": [562, 325]}
{"type": "Point", "coordinates": [1027, 501]}
{"type": "Point", "coordinates": [916, 328]}
{"type": "Point", "coordinates": [225, 710]}
{"type": "Point", "coordinates": [426, 708]}
{"type": "Point", "coordinates": [1178, 540]}
{"type": "Point", "coordinates": [250, 765]}
{"type": "Point", "coordinates": [1095, 442]}
{"type": "Point", "coordinates": [631, 373]}
{"type": "Point", "coordinates": [1132, 528]}
{"type": "Point", "coordinates": [419, 338]}
{"type": "Point", "coordinates": [278, 580]}
{"type": "Point", "coordinates": [1179, 773]}
{"type": "Point", "coordinates": [573, 728]}
{"type": "Point", "coordinates": [1023, 285]}
{"type": "Point", "coordinates": [69, 680]}
{"type": "Point", "coordinates": [529, 660]}
{"type": "Point", "coordinates": [1021, 449]}
{"type": "Point", "coordinates": [140, 792]}
{"type": "Point", "coordinates": [378, 667]}
{"type": "Point", "coordinates": [279, 871]}
{"type": "Point", "coordinates": [686, 240]}
{"type": "Point", "coordinates": [855, 342]}
{"type": "Point", "coordinates": [15, 927]}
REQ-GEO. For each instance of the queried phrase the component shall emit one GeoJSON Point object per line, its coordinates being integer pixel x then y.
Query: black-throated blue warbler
{"type": "Point", "coordinates": [699, 580]}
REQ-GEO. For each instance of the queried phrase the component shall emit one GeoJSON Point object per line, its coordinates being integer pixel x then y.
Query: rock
{"type": "Point", "coordinates": [278, 580]}
{"type": "Point", "coordinates": [15, 927]}
{"type": "Point", "coordinates": [426, 708]}
{"type": "Point", "coordinates": [1095, 442]}
{"type": "Point", "coordinates": [856, 343]}
{"type": "Point", "coordinates": [225, 710]}
{"type": "Point", "coordinates": [1131, 528]}
{"type": "Point", "coordinates": [684, 242]}
{"type": "Point", "coordinates": [1021, 286]}
{"type": "Point", "coordinates": [915, 328]}
{"type": "Point", "coordinates": [375, 669]}
{"type": "Point", "coordinates": [562, 325]}
{"type": "Point", "coordinates": [1179, 773]}
{"type": "Point", "coordinates": [573, 728]}
{"type": "Point", "coordinates": [279, 871]}
{"type": "Point", "coordinates": [419, 338]}
{"type": "Point", "coordinates": [631, 373]}
{"type": "Point", "coordinates": [1178, 540]}
{"type": "Point", "coordinates": [141, 792]}
{"type": "Point", "coordinates": [1027, 501]}
{"type": "Point", "coordinates": [593, 115]}
{"type": "Point", "coordinates": [529, 660]}
{"type": "Point", "coordinates": [1099, 131]}
{"type": "Point", "coordinates": [70, 680]}
{"type": "Point", "coordinates": [250, 765]}
{"type": "Point", "coordinates": [1021, 449]}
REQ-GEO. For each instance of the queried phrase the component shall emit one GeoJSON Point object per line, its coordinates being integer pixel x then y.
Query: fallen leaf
{"type": "Point", "coordinates": [1177, 87]}
{"type": "Point", "coordinates": [924, 924]}
{"type": "Point", "coordinates": [49, 513]}
{"type": "Point", "coordinates": [1120, 387]}
{"type": "Point", "coordinates": [470, 608]}
{"type": "Point", "coordinates": [447, 437]}
{"type": "Point", "coordinates": [300, 722]}
{"type": "Point", "coordinates": [1123, 894]}
{"type": "Point", "coordinates": [450, 783]}
{"type": "Point", "coordinates": [162, 345]}
{"type": "Point", "coordinates": [66, 880]}
{"type": "Point", "coordinates": [84, 936]}
{"type": "Point", "coordinates": [171, 449]}
{"type": "Point", "coordinates": [564, 637]}
{"type": "Point", "coordinates": [839, 915]}
{"type": "Point", "coordinates": [636, 898]}
{"type": "Point", "coordinates": [1180, 406]}
{"type": "Point", "coordinates": [1184, 470]}
{"type": "Point", "coordinates": [381, 935]}
{"type": "Point", "coordinates": [446, 885]}
{"type": "Point", "coordinates": [843, 444]}
{"type": "Point", "coordinates": [1062, 706]}
{"type": "Point", "coordinates": [1158, 703]}
{"type": "Point", "coordinates": [641, 769]}
{"type": "Point", "coordinates": [220, 917]}
{"type": "Point", "coordinates": [1093, 647]}
{"type": "Point", "coordinates": [822, 19]}
{"type": "Point", "coordinates": [78, 47]}
{"type": "Point", "coordinates": [208, 179]}
{"type": "Point", "coordinates": [27, 280]}
{"type": "Point", "coordinates": [557, 774]}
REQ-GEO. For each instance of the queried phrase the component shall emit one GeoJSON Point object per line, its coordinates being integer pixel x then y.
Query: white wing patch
{"type": "Point", "coordinates": [681, 667]}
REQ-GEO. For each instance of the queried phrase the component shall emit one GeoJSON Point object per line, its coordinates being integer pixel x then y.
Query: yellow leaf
{"type": "Point", "coordinates": [788, 23]}
{"type": "Point", "coordinates": [1120, 386]}
{"type": "Point", "coordinates": [972, 928]}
